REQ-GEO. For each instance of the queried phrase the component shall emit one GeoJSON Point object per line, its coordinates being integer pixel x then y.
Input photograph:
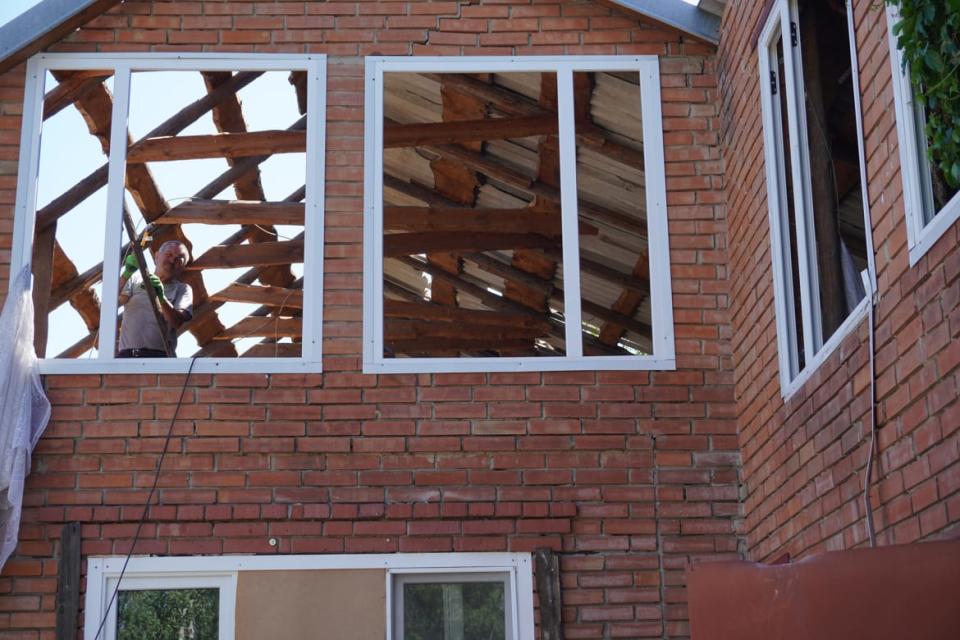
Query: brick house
{"type": "Point", "coordinates": [415, 410]}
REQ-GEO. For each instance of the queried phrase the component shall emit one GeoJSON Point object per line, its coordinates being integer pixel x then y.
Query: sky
{"type": "Point", "coordinates": [10, 9]}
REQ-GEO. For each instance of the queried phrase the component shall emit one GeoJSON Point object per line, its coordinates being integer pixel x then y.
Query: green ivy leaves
{"type": "Point", "coordinates": [928, 34]}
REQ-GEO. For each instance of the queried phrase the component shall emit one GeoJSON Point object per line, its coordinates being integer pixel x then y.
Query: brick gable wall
{"type": "Point", "coordinates": [803, 460]}
{"type": "Point", "coordinates": [628, 475]}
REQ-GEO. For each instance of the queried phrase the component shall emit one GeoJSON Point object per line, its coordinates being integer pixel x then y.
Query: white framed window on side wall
{"type": "Point", "coordinates": [515, 215]}
{"type": "Point", "coordinates": [216, 163]}
{"type": "Point", "coordinates": [394, 596]}
{"type": "Point", "coordinates": [822, 249]}
{"type": "Point", "coordinates": [931, 205]}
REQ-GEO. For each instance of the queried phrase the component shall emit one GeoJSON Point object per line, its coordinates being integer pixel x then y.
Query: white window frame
{"type": "Point", "coordinates": [221, 571]}
{"type": "Point", "coordinates": [123, 64]}
{"type": "Point", "coordinates": [914, 164]}
{"type": "Point", "coordinates": [663, 357]}
{"type": "Point", "coordinates": [397, 578]}
{"type": "Point", "coordinates": [816, 350]}
{"type": "Point", "coordinates": [158, 579]}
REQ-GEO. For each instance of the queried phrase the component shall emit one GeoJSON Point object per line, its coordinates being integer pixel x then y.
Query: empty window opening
{"type": "Point", "coordinates": [212, 184]}
{"type": "Point", "coordinates": [513, 220]}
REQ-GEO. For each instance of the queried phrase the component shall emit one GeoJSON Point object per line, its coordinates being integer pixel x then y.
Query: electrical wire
{"type": "Point", "coordinates": [868, 472]}
{"type": "Point", "coordinates": [146, 506]}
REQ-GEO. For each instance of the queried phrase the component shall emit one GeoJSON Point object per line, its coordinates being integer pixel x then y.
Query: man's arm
{"type": "Point", "coordinates": [179, 310]}
{"type": "Point", "coordinates": [130, 266]}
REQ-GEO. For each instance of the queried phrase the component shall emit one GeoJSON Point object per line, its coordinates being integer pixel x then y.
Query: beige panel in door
{"type": "Point", "coordinates": [297, 605]}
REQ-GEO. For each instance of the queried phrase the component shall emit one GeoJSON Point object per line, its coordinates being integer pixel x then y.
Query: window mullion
{"type": "Point", "coordinates": [114, 217]}
{"type": "Point", "coordinates": [569, 213]}
{"type": "Point", "coordinates": [29, 170]}
{"type": "Point", "coordinates": [313, 213]}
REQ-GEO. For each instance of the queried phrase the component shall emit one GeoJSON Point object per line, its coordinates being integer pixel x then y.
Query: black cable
{"type": "Point", "coordinates": [146, 506]}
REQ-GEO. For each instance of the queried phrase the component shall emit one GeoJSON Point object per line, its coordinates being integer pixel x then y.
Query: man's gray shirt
{"type": "Point", "coordinates": [139, 329]}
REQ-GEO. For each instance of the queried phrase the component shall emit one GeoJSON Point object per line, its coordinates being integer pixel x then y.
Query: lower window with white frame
{"type": "Point", "coordinates": [820, 234]}
{"type": "Point", "coordinates": [515, 215]}
{"type": "Point", "coordinates": [444, 596]}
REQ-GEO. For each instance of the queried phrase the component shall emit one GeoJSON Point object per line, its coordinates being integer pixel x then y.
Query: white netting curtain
{"type": "Point", "coordinates": [24, 408]}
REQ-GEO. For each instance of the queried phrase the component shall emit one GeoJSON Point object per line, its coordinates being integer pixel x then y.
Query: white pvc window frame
{"type": "Point", "coordinates": [783, 14]}
{"type": "Point", "coordinates": [222, 571]}
{"type": "Point", "coordinates": [925, 225]}
{"type": "Point", "coordinates": [664, 356]}
{"type": "Point", "coordinates": [123, 65]}
{"type": "Point", "coordinates": [401, 577]}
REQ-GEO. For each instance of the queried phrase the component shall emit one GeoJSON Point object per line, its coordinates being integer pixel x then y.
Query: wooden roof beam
{"type": "Point", "coordinates": [71, 89]}
{"type": "Point", "coordinates": [257, 254]}
{"type": "Point", "coordinates": [242, 212]}
{"type": "Point", "coordinates": [396, 135]}
{"type": "Point", "coordinates": [265, 295]}
{"type": "Point", "coordinates": [263, 327]}
{"type": "Point", "coordinates": [423, 310]}
{"type": "Point", "coordinates": [219, 145]}
{"type": "Point", "coordinates": [489, 167]}
{"type": "Point", "coordinates": [516, 105]}
{"type": "Point", "coordinates": [466, 220]}
{"type": "Point", "coordinates": [407, 244]}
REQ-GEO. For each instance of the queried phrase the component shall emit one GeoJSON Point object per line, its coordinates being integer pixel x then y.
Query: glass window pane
{"type": "Point", "coordinates": [788, 212]}
{"type": "Point", "coordinates": [836, 219]}
{"type": "Point", "coordinates": [454, 611]}
{"type": "Point", "coordinates": [168, 614]}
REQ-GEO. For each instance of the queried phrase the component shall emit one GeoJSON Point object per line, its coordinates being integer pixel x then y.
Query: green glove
{"type": "Point", "coordinates": [130, 266]}
{"type": "Point", "coordinates": [157, 286]}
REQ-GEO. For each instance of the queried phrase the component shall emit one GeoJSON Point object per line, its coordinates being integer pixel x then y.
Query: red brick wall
{"type": "Point", "coordinates": [628, 475]}
{"type": "Point", "coordinates": [803, 460]}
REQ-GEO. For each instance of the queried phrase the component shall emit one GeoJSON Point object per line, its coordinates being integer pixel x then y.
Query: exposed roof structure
{"type": "Point", "coordinates": [256, 246]}
{"type": "Point", "coordinates": [472, 215]}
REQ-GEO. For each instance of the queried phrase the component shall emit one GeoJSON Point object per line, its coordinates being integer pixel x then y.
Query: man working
{"type": "Point", "coordinates": [140, 337]}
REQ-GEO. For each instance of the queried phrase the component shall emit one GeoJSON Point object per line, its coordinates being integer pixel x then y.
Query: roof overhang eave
{"type": "Point", "coordinates": [44, 24]}
{"type": "Point", "coordinates": [678, 14]}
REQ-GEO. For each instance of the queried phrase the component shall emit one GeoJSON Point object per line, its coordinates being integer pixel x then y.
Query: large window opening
{"type": "Point", "coordinates": [168, 208]}
{"type": "Point", "coordinates": [516, 216]}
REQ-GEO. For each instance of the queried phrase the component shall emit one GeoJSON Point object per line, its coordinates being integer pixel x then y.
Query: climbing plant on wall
{"type": "Point", "coordinates": [928, 34]}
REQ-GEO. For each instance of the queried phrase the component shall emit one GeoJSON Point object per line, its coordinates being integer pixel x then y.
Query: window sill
{"type": "Point", "coordinates": [934, 230]}
{"type": "Point", "coordinates": [500, 365]}
{"type": "Point", "coordinates": [788, 389]}
{"type": "Point", "coordinates": [179, 365]}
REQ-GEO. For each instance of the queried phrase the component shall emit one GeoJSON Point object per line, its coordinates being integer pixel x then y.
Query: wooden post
{"type": "Point", "coordinates": [548, 591]}
{"type": "Point", "coordinates": [68, 582]}
{"type": "Point", "coordinates": [145, 275]}
{"type": "Point", "coordinates": [43, 250]}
